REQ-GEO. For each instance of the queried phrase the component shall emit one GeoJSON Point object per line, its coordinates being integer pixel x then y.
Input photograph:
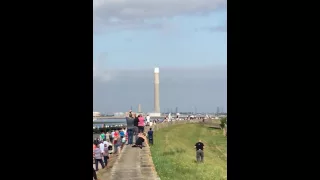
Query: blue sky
{"type": "Point", "coordinates": [140, 35]}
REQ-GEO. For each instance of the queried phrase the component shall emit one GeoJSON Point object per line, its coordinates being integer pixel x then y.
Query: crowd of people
{"type": "Point", "coordinates": [110, 144]}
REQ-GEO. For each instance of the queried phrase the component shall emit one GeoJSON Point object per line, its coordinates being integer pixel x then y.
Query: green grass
{"type": "Point", "coordinates": [174, 158]}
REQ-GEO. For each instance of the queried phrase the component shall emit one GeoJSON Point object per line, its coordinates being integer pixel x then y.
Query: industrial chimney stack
{"type": "Point", "coordinates": [156, 90]}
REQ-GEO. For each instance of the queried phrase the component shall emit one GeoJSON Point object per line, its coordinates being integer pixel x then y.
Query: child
{"type": "Point", "coordinates": [123, 139]}
{"type": "Point", "coordinates": [150, 136]}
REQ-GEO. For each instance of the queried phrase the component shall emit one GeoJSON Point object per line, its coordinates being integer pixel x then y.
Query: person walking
{"type": "Point", "coordinates": [96, 141]}
{"type": "Point", "coordinates": [199, 151]}
{"type": "Point", "coordinates": [97, 154]}
{"type": "Point", "coordinates": [108, 135]}
{"type": "Point", "coordinates": [102, 136]}
{"type": "Point", "coordinates": [121, 132]}
{"type": "Point", "coordinates": [117, 145]}
{"type": "Point", "coordinates": [101, 146]}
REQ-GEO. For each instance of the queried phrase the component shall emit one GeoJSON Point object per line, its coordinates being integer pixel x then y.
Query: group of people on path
{"type": "Point", "coordinates": [111, 143]}
{"type": "Point", "coordinates": [135, 128]}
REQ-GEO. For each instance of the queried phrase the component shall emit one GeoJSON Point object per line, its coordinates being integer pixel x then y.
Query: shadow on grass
{"type": "Point", "coordinates": [214, 127]}
{"type": "Point", "coordinates": [173, 152]}
{"type": "Point", "coordinates": [195, 162]}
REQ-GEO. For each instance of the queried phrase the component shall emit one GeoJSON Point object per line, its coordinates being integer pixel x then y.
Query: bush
{"type": "Point", "coordinates": [223, 122]}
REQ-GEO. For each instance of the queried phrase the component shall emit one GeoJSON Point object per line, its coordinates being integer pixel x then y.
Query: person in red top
{"type": "Point", "coordinates": [116, 135]}
{"type": "Point", "coordinates": [94, 146]}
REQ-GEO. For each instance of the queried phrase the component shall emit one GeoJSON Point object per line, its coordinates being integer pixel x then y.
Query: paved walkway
{"type": "Point", "coordinates": [133, 163]}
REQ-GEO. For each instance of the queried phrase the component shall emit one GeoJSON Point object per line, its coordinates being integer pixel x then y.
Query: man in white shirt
{"type": "Point", "coordinates": [105, 142]}
{"type": "Point", "coordinates": [148, 120]}
{"type": "Point", "coordinates": [112, 136]}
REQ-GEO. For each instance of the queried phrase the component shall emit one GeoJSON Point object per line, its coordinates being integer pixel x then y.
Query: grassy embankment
{"type": "Point", "coordinates": [173, 153]}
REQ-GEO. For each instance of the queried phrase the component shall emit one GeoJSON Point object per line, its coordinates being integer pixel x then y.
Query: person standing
{"type": "Point", "coordinates": [106, 142]}
{"type": "Point", "coordinates": [101, 146]}
{"type": "Point", "coordinates": [130, 129]}
{"type": "Point", "coordinates": [117, 145]}
{"type": "Point", "coordinates": [136, 129]}
{"type": "Point", "coordinates": [141, 123]}
{"type": "Point", "coordinates": [97, 154]}
{"type": "Point", "coordinates": [150, 136]}
{"type": "Point", "coordinates": [102, 136]}
{"type": "Point", "coordinates": [199, 151]}
{"type": "Point", "coordinates": [130, 114]}
{"type": "Point", "coordinates": [148, 120]}
{"type": "Point", "coordinates": [116, 134]}
{"type": "Point", "coordinates": [112, 136]}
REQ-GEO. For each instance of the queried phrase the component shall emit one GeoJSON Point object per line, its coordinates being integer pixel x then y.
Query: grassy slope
{"type": "Point", "coordinates": [174, 155]}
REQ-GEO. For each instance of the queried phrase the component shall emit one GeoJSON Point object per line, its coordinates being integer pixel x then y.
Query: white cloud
{"type": "Point", "coordinates": [128, 14]}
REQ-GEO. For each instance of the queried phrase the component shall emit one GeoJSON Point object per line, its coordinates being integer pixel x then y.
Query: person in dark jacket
{"type": "Point", "coordinates": [96, 141]}
{"type": "Point", "coordinates": [150, 136]}
{"type": "Point", "coordinates": [136, 129]}
{"type": "Point", "coordinates": [130, 129]}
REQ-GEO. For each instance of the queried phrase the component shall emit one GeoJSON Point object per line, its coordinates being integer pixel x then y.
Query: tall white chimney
{"type": "Point", "coordinates": [156, 90]}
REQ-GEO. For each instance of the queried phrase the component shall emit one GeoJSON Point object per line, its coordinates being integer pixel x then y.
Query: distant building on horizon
{"type": "Point", "coordinates": [96, 114]}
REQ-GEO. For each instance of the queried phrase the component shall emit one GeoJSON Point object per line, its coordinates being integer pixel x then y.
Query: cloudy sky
{"type": "Point", "coordinates": [186, 39]}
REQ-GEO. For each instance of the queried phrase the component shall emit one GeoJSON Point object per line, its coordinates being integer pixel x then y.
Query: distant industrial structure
{"type": "Point", "coordinates": [139, 108]}
{"type": "Point", "coordinates": [119, 114]}
{"type": "Point", "coordinates": [96, 114]}
{"type": "Point", "coordinates": [156, 93]}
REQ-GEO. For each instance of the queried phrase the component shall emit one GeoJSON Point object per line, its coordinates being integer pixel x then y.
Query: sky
{"type": "Point", "coordinates": [186, 39]}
